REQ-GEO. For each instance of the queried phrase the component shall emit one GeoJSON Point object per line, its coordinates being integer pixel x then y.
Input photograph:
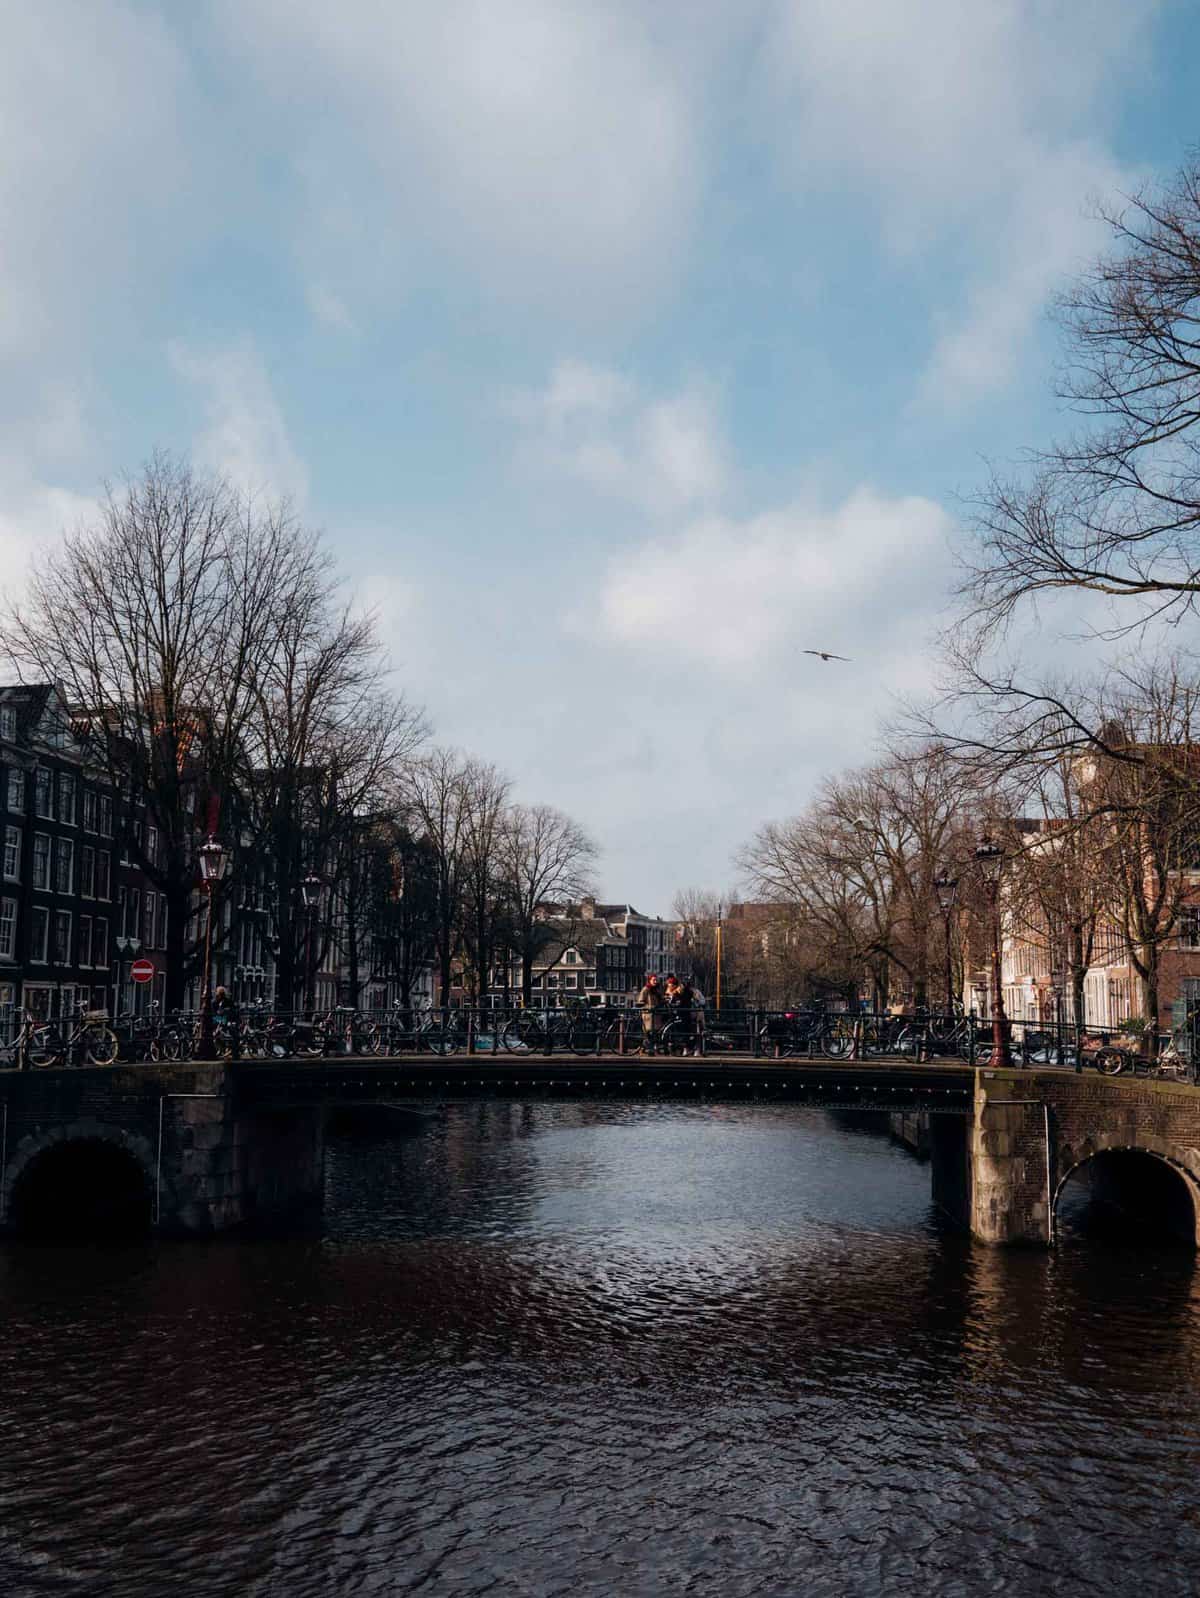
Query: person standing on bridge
{"type": "Point", "coordinates": [652, 1002]}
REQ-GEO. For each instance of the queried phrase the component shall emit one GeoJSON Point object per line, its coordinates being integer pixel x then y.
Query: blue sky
{"type": "Point", "coordinates": [622, 351]}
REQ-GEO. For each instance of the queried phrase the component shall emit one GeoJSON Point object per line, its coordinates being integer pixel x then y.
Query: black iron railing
{"type": "Point", "coordinates": [581, 1031]}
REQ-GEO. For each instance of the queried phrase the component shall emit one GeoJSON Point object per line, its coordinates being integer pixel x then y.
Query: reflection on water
{"type": "Point", "coordinates": [601, 1349]}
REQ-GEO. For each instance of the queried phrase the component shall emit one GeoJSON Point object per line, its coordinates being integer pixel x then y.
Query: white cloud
{"type": "Point", "coordinates": [973, 131]}
{"type": "Point", "coordinates": [245, 435]}
{"type": "Point", "coordinates": [549, 147]}
{"type": "Point", "coordinates": [726, 594]}
{"type": "Point", "coordinates": [594, 426]}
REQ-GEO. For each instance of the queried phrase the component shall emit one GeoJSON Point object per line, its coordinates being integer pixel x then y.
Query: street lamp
{"type": "Point", "coordinates": [310, 891]}
{"type": "Point", "coordinates": [946, 888]}
{"type": "Point", "coordinates": [214, 861]}
{"type": "Point", "coordinates": [990, 859]}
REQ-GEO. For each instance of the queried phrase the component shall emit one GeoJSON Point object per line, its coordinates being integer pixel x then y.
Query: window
{"type": "Point", "coordinates": [64, 865]}
{"type": "Point", "coordinates": [106, 815]}
{"type": "Point", "coordinates": [152, 845]}
{"type": "Point", "coordinates": [66, 798]}
{"type": "Point", "coordinates": [39, 933]}
{"type": "Point", "coordinates": [571, 980]}
{"type": "Point", "coordinates": [43, 785]}
{"type": "Point", "coordinates": [162, 921]}
{"type": "Point", "coordinates": [589, 979]}
{"type": "Point", "coordinates": [12, 854]}
{"type": "Point", "coordinates": [99, 941]}
{"type": "Point", "coordinates": [8, 928]}
{"type": "Point", "coordinates": [148, 920]}
{"type": "Point", "coordinates": [87, 872]}
{"type": "Point", "coordinates": [16, 790]}
{"type": "Point", "coordinates": [62, 937]}
{"type": "Point", "coordinates": [85, 940]}
{"type": "Point", "coordinates": [41, 860]}
{"type": "Point", "coordinates": [103, 865]}
{"type": "Point", "coordinates": [133, 918]}
{"type": "Point", "coordinates": [1189, 927]}
{"type": "Point", "coordinates": [90, 810]}
{"type": "Point", "coordinates": [121, 912]}
{"type": "Point", "coordinates": [8, 721]}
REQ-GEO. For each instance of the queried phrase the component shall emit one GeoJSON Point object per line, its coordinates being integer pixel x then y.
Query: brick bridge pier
{"type": "Point", "coordinates": [1133, 1144]}
{"type": "Point", "coordinates": [198, 1149]}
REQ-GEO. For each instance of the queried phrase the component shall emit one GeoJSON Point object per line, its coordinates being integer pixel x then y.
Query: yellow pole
{"type": "Point", "coordinates": [718, 996]}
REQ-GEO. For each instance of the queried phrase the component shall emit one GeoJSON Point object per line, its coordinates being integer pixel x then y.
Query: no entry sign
{"type": "Point", "coordinates": [142, 970]}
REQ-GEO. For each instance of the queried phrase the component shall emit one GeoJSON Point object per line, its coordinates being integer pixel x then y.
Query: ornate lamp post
{"type": "Point", "coordinates": [946, 888]}
{"type": "Point", "coordinates": [214, 862]}
{"type": "Point", "coordinates": [990, 858]}
{"type": "Point", "coordinates": [310, 890]}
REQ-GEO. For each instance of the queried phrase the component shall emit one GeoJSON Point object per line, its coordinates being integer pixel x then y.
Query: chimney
{"type": "Point", "coordinates": [587, 908]}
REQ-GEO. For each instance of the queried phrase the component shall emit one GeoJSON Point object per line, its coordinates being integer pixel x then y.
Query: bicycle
{"type": "Point", "coordinates": [1168, 1063]}
{"type": "Point", "coordinates": [91, 1038]}
{"type": "Point", "coordinates": [31, 1044]}
{"type": "Point", "coordinates": [794, 1032]}
{"type": "Point", "coordinates": [538, 1032]}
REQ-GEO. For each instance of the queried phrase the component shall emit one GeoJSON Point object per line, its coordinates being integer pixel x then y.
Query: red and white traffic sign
{"type": "Point", "coordinates": [142, 970]}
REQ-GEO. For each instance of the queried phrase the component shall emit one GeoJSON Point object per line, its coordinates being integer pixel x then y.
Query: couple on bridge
{"type": "Point", "coordinates": [671, 1002]}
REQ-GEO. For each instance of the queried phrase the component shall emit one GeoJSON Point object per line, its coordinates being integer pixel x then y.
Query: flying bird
{"type": "Point", "coordinates": [825, 655]}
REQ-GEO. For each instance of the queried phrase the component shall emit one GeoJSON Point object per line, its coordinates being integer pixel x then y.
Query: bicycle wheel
{"type": "Point", "coordinates": [586, 1034]}
{"type": "Point", "coordinates": [837, 1040]}
{"type": "Point", "coordinates": [100, 1045]}
{"type": "Point", "coordinates": [1109, 1062]}
{"type": "Point", "coordinates": [443, 1039]}
{"type": "Point", "coordinates": [41, 1051]}
{"type": "Point", "coordinates": [521, 1034]}
{"type": "Point", "coordinates": [615, 1039]}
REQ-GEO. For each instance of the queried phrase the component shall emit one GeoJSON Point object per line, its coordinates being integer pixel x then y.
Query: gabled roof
{"type": "Point", "coordinates": [30, 701]}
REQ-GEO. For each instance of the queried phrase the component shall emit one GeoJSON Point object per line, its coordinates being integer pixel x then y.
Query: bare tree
{"type": "Point", "coordinates": [546, 864]}
{"type": "Point", "coordinates": [435, 801]}
{"type": "Point", "coordinates": [326, 741]}
{"type": "Point", "coordinates": [1114, 509]}
{"type": "Point", "coordinates": [157, 621]}
{"type": "Point", "coordinates": [484, 907]}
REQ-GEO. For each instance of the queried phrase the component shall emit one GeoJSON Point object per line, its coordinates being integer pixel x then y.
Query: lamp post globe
{"type": "Point", "coordinates": [946, 888]}
{"type": "Point", "coordinates": [989, 857]}
{"type": "Point", "coordinates": [214, 862]}
{"type": "Point", "coordinates": [310, 893]}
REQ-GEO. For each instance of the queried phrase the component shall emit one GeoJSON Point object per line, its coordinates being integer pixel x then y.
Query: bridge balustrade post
{"type": "Point", "coordinates": [621, 1034]}
{"type": "Point", "coordinates": [470, 1032]}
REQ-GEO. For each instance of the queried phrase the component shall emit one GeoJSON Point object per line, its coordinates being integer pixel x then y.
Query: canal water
{"type": "Point", "coordinates": [601, 1350]}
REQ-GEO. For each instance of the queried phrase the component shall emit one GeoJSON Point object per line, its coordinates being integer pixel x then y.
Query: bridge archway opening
{"type": "Point", "coordinates": [82, 1188]}
{"type": "Point", "coordinates": [1128, 1196]}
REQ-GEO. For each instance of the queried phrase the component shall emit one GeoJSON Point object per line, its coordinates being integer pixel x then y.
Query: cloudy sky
{"type": "Point", "coordinates": [624, 351]}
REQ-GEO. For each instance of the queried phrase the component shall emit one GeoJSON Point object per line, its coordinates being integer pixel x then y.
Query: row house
{"type": "Point", "coordinates": [1033, 964]}
{"type": "Point", "coordinates": [600, 953]}
{"type": "Point", "coordinates": [73, 910]}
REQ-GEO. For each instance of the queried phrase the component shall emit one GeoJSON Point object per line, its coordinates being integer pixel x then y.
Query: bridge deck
{"type": "Point", "coordinates": [875, 1084]}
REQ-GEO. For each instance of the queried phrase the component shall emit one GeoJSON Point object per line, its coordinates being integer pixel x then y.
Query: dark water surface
{"type": "Point", "coordinates": [536, 1350]}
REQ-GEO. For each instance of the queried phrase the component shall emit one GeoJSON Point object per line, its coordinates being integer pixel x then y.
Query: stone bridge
{"type": "Point", "coordinates": [198, 1149]}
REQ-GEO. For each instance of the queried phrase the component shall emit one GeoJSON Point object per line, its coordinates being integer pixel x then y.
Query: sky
{"type": "Point", "coordinates": [622, 351]}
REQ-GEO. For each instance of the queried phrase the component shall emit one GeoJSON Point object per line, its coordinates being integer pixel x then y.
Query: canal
{"type": "Point", "coordinates": [597, 1350]}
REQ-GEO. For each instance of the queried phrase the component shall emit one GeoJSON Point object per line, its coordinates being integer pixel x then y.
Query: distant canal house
{"type": "Point", "coordinates": [73, 914]}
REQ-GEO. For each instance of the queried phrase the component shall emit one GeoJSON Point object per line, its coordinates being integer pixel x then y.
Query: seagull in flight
{"type": "Point", "coordinates": [825, 655]}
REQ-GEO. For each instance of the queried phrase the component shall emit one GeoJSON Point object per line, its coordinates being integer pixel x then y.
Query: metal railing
{"type": "Point", "coordinates": [581, 1031]}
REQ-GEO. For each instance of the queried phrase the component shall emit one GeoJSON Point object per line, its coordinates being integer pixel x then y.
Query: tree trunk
{"type": "Point", "coordinates": [179, 900]}
{"type": "Point", "coordinates": [526, 980]}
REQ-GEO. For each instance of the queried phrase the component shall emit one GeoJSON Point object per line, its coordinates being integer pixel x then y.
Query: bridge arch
{"type": "Point", "coordinates": [1141, 1192]}
{"type": "Point", "coordinates": [81, 1180]}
